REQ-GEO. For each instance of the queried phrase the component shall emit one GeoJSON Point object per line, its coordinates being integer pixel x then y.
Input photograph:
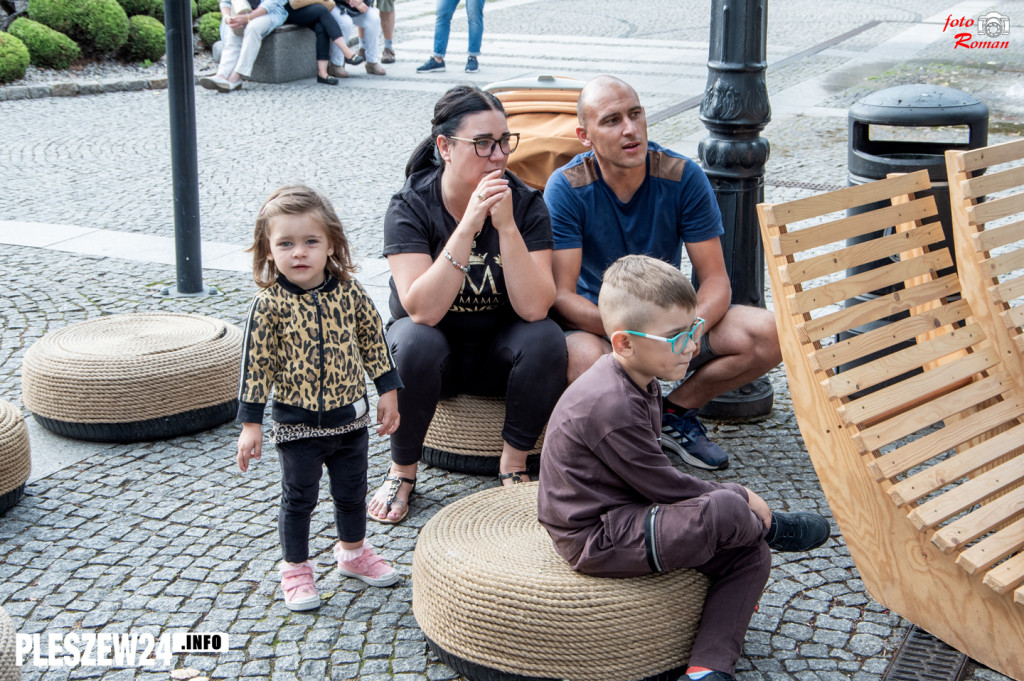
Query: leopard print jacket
{"type": "Point", "coordinates": [312, 349]}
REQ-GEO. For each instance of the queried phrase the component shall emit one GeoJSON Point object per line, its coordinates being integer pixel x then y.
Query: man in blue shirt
{"type": "Point", "coordinates": [627, 195]}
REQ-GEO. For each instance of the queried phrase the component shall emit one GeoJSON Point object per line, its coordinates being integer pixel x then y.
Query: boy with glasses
{"type": "Point", "coordinates": [611, 500]}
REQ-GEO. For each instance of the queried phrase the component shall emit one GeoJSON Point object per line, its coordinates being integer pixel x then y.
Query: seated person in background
{"type": "Point", "coordinates": [241, 37]}
{"type": "Point", "coordinates": [318, 18]}
{"type": "Point", "coordinates": [627, 196]}
{"type": "Point", "coordinates": [366, 17]}
{"type": "Point", "coordinates": [611, 500]}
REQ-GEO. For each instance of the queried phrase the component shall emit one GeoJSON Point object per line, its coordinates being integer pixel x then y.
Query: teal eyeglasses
{"type": "Point", "coordinates": [680, 340]}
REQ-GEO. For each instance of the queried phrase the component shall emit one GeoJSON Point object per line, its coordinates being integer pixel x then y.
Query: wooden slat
{"type": "Point", "coordinates": [866, 282]}
{"type": "Point", "coordinates": [976, 523]}
{"type": "Point", "coordinates": [1014, 317]}
{"type": "Point", "coordinates": [1008, 291]}
{"type": "Point", "coordinates": [944, 472]}
{"type": "Point", "coordinates": [1003, 235]}
{"type": "Point", "coordinates": [950, 436]}
{"type": "Point", "coordinates": [988, 156]}
{"type": "Point", "coordinates": [920, 387]}
{"type": "Point", "coordinates": [861, 254]}
{"type": "Point", "coordinates": [991, 550]}
{"type": "Point", "coordinates": [996, 209]}
{"type": "Point", "coordinates": [899, 331]}
{"type": "Point", "coordinates": [897, 363]}
{"type": "Point", "coordinates": [933, 411]}
{"type": "Point", "coordinates": [993, 182]}
{"type": "Point", "coordinates": [1018, 596]}
{"type": "Point", "coordinates": [1006, 575]}
{"type": "Point", "coordinates": [838, 231]}
{"type": "Point", "coordinates": [968, 493]}
{"type": "Point", "coordinates": [881, 307]}
{"type": "Point", "coordinates": [1004, 263]}
{"type": "Point", "coordinates": [844, 199]}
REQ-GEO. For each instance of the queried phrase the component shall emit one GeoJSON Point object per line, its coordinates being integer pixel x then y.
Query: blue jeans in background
{"type": "Point", "coordinates": [443, 25]}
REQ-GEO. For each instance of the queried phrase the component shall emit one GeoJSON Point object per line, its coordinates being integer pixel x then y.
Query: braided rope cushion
{"type": "Point", "coordinates": [9, 670]}
{"type": "Point", "coordinates": [134, 376]}
{"type": "Point", "coordinates": [489, 590]}
{"type": "Point", "coordinates": [15, 463]}
{"type": "Point", "coordinates": [465, 435]}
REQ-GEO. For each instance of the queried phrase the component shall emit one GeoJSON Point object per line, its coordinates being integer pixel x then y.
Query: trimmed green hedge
{"type": "Point", "coordinates": [207, 6]}
{"type": "Point", "coordinates": [149, 8]}
{"type": "Point", "coordinates": [146, 39]}
{"type": "Point", "coordinates": [46, 47]}
{"type": "Point", "coordinates": [98, 26]}
{"type": "Point", "coordinates": [209, 28]}
{"type": "Point", "coordinates": [14, 58]}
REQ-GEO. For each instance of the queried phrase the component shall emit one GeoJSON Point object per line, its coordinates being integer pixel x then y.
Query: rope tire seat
{"type": "Point", "coordinates": [9, 669]}
{"type": "Point", "coordinates": [497, 603]}
{"type": "Point", "coordinates": [15, 460]}
{"type": "Point", "coordinates": [465, 436]}
{"type": "Point", "coordinates": [134, 377]}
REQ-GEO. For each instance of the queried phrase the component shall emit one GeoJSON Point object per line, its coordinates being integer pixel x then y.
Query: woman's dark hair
{"type": "Point", "coordinates": [454, 105]}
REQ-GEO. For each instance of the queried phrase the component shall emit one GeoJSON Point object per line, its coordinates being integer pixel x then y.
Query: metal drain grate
{"type": "Point", "coordinates": [922, 657]}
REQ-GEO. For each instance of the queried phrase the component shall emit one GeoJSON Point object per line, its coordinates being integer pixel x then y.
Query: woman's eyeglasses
{"type": "Point", "coordinates": [484, 146]}
{"type": "Point", "coordinates": [680, 340]}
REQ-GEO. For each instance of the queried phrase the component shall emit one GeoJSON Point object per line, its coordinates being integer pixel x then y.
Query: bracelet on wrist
{"type": "Point", "coordinates": [456, 263]}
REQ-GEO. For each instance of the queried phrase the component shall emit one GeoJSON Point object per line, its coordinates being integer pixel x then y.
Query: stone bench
{"type": "Point", "coordinates": [287, 54]}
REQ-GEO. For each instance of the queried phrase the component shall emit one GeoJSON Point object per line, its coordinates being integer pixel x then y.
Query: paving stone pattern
{"type": "Point", "coordinates": [161, 536]}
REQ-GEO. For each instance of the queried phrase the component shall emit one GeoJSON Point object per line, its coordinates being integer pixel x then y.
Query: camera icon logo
{"type": "Point", "coordinates": [994, 24]}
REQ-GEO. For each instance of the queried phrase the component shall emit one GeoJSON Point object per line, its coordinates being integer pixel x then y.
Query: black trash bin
{"type": "Point", "coordinates": [909, 106]}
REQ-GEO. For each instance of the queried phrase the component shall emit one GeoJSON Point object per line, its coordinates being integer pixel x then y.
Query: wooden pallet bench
{"type": "Point", "coordinates": [918, 440]}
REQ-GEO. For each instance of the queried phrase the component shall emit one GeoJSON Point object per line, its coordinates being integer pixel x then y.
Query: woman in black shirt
{"type": "Point", "coordinates": [469, 247]}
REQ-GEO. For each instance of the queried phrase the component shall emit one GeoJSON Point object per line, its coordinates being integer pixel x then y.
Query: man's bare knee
{"type": "Point", "coordinates": [584, 349]}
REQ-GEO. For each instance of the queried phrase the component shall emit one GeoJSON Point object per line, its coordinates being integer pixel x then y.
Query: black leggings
{"type": "Point", "coordinates": [525, 362]}
{"type": "Point", "coordinates": [302, 464]}
{"type": "Point", "coordinates": [318, 18]}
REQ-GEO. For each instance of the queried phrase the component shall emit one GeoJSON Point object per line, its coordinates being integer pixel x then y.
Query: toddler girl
{"type": "Point", "coordinates": [310, 335]}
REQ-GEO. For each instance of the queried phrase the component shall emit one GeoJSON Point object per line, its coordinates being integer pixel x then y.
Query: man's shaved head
{"type": "Point", "coordinates": [594, 86]}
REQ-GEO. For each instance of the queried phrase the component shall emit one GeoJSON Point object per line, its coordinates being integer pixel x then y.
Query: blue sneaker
{"type": "Point", "coordinates": [684, 435]}
{"type": "Point", "coordinates": [472, 65]}
{"type": "Point", "coordinates": [431, 65]}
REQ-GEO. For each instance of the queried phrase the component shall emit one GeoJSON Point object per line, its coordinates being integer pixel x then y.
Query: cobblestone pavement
{"type": "Point", "coordinates": [169, 535]}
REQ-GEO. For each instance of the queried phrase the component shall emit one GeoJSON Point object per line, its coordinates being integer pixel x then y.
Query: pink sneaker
{"type": "Point", "coordinates": [368, 566]}
{"type": "Point", "coordinates": [297, 584]}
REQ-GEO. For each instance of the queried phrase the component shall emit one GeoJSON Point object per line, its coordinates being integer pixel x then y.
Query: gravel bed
{"type": "Point", "coordinates": [86, 70]}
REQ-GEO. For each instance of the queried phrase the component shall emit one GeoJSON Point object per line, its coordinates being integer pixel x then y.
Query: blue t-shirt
{"type": "Point", "coordinates": [674, 205]}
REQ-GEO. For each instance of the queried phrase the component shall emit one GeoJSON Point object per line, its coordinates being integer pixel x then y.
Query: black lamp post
{"type": "Point", "coordinates": [184, 157]}
{"type": "Point", "coordinates": [735, 110]}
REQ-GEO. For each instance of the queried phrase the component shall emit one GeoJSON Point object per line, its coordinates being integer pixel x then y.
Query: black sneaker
{"type": "Point", "coordinates": [799, 531]}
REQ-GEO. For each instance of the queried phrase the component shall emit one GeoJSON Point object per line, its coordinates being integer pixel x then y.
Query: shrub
{"type": "Point", "coordinates": [13, 58]}
{"type": "Point", "coordinates": [146, 39]}
{"type": "Point", "coordinates": [46, 47]}
{"type": "Point", "coordinates": [98, 26]}
{"type": "Point", "coordinates": [209, 28]}
{"type": "Point", "coordinates": [207, 6]}
{"type": "Point", "coordinates": [195, 9]}
{"type": "Point", "coordinates": [149, 8]}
